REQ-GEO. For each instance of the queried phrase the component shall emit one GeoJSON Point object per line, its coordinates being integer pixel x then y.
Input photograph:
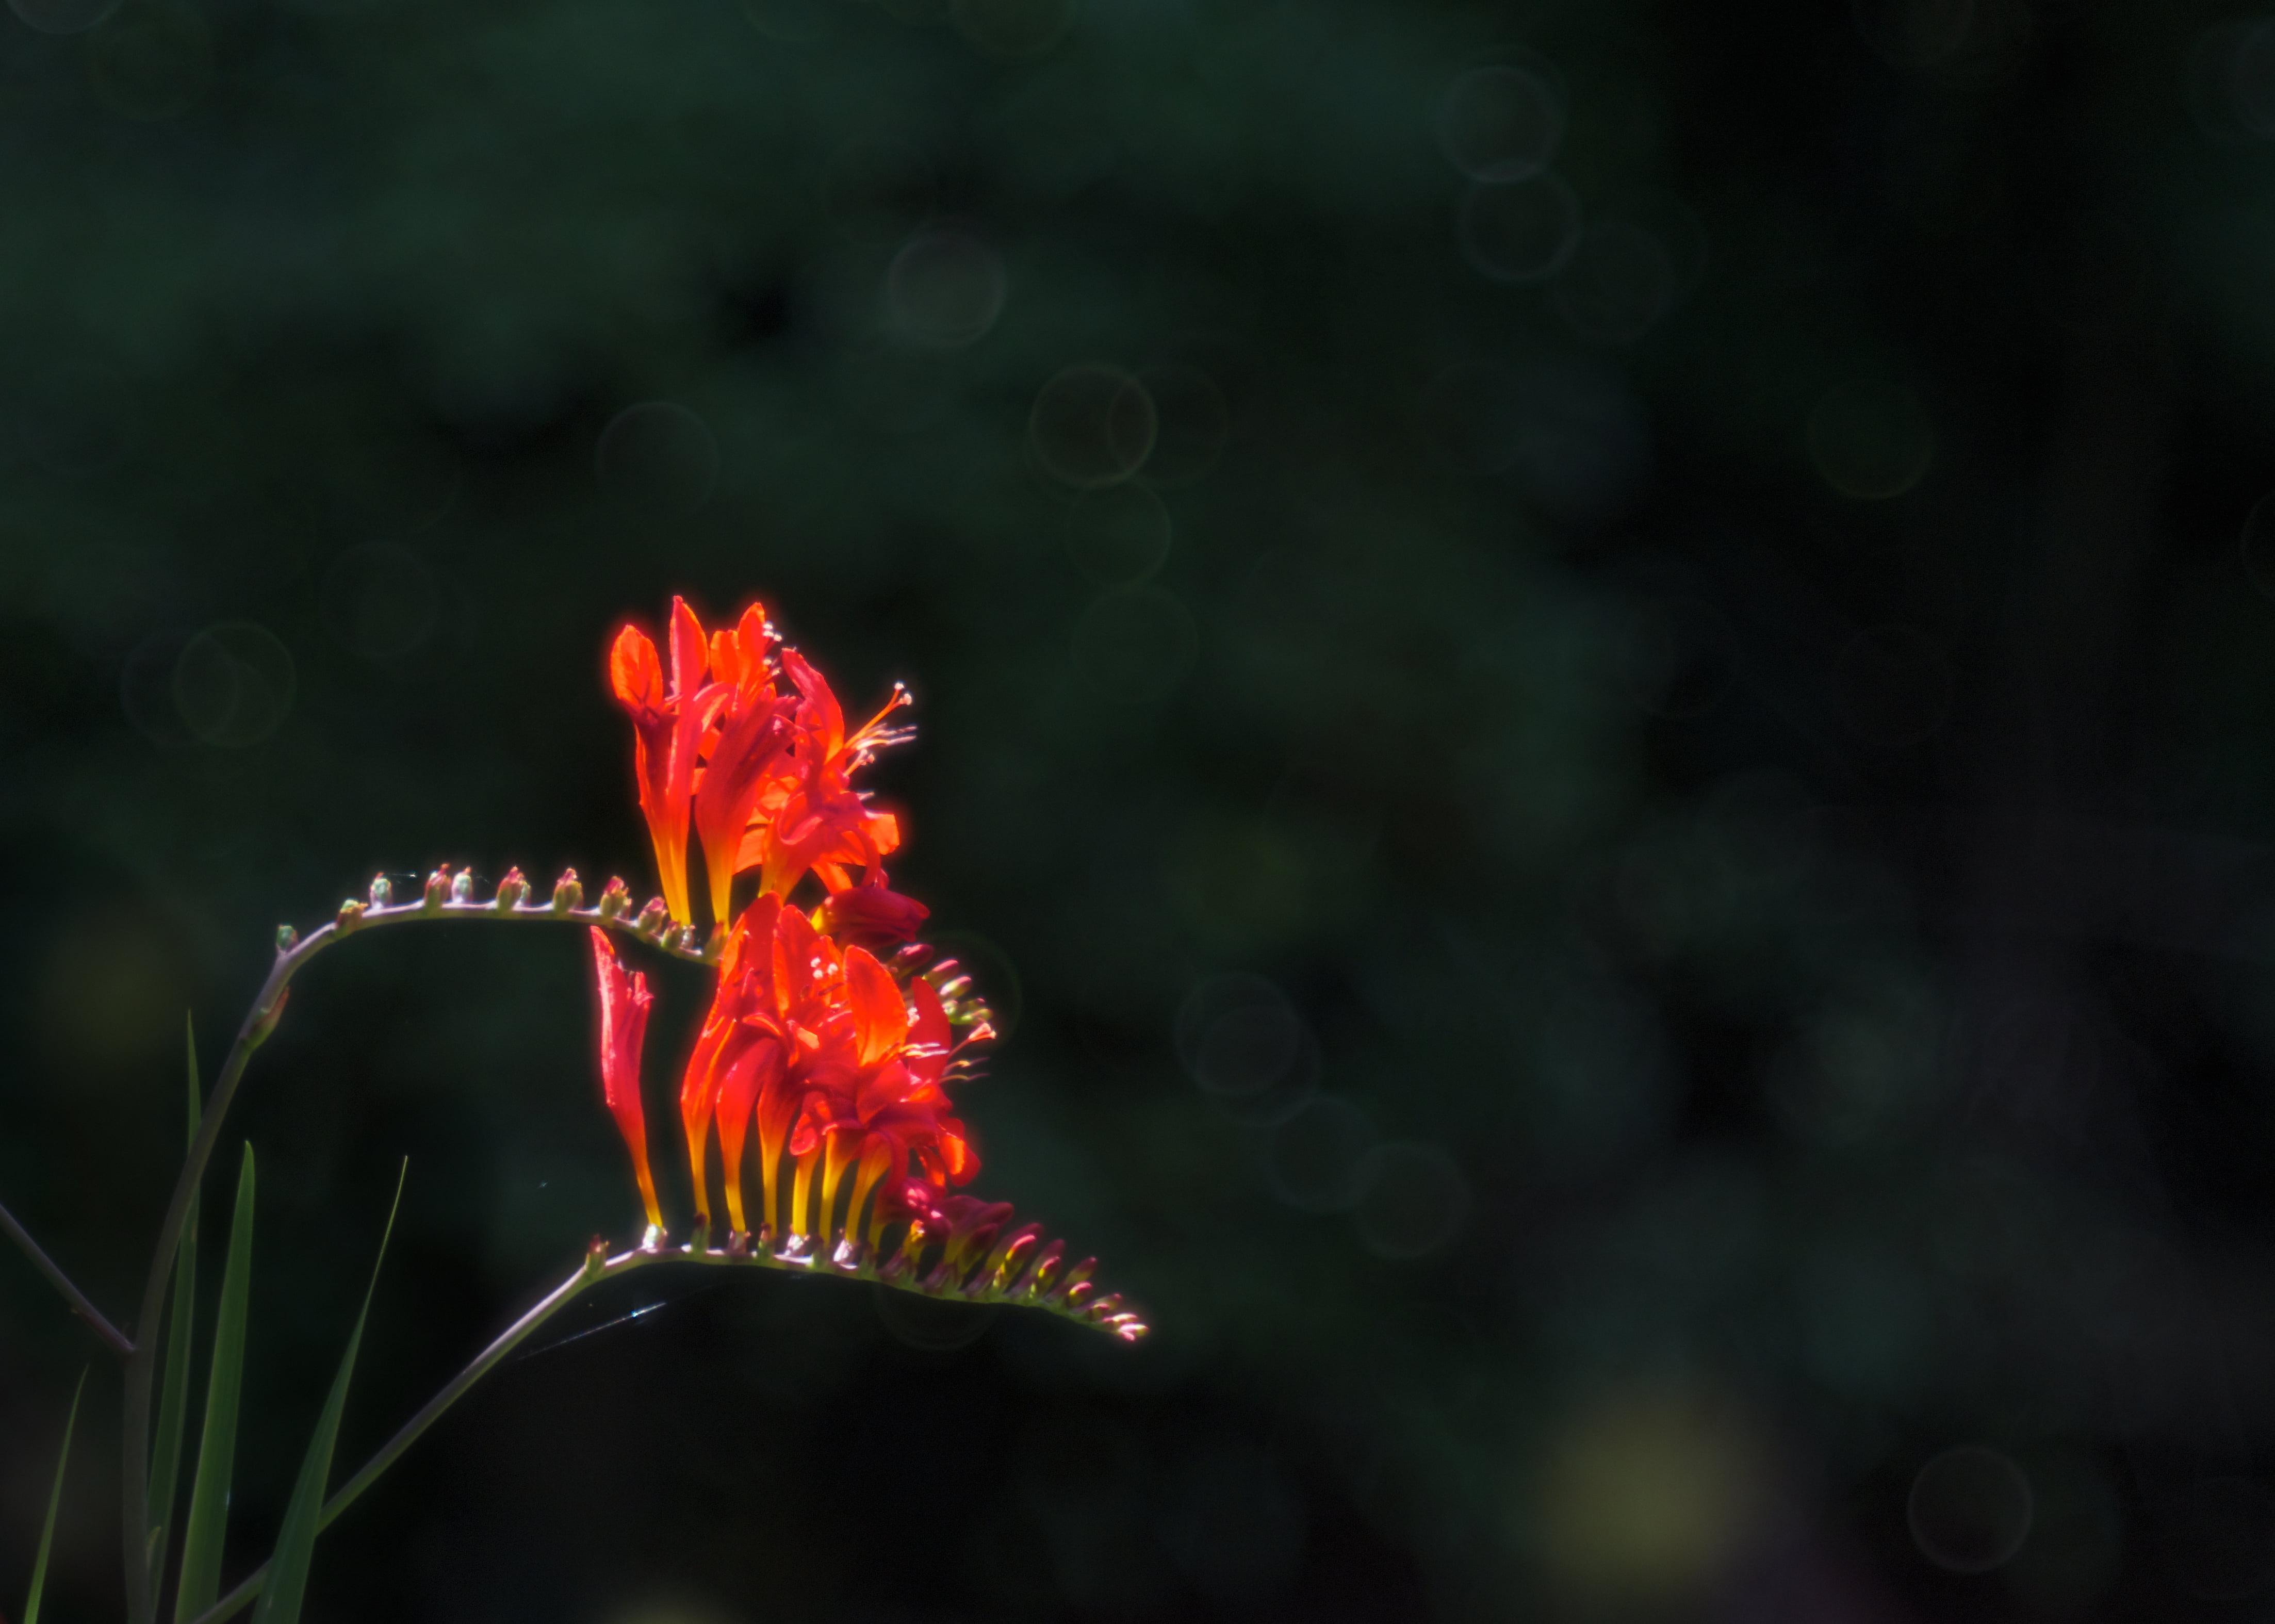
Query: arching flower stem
{"type": "Point", "coordinates": [1006, 1275]}
{"type": "Point", "coordinates": [294, 953]}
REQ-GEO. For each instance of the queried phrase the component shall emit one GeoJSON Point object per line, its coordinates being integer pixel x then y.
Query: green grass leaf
{"type": "Point", "coordinates": [296, 1540]}
{"type": "Point", "coordinates": [181, 1329]}
{"type": "Point", "coordinates": [209, 1524]}
{"type": "Point", "coordinates": [54, 1499]}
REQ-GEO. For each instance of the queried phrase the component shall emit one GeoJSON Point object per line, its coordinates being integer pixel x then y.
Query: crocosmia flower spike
{"type": "Point", "coordinates": [834, 1035]}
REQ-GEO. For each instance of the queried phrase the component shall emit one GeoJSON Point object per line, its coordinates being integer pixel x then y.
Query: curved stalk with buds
{"type": "Point", "coordinates": [832, 1037]}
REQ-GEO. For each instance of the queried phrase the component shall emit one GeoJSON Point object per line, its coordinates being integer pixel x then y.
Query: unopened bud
{"type": "Point", "coordinates": [287, 939]}
{"type": "Point", "coordinates": [382, 892]}
{"type": "Point", "coordinates": [568, 895]}
{"type": "Point", "coordinates": [653, 918]}
{"type": "Point", "coordinates": [438, 885]}
{"type": "Point", "coordinates": [616, 900]}
{"type": "Point", "coordinates": [462, 886]}
{"type": "Point", "coordinates": [511, 891]}
{"type": "Point", "coordinates": [687, 939]}
{"type": "Point", "coordinates": [351, 915]}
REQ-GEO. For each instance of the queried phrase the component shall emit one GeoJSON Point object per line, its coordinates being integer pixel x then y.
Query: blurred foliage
{"type": "Point", "coordinates": [1597, 677]}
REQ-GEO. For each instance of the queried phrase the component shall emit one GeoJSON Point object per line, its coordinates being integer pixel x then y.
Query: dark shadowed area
{"type": "Point", "coordinates": [1595, 685]}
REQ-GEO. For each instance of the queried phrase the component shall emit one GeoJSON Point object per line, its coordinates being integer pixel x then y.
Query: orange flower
{"type": "Point", "coordinates": [625, 1002]}
{"type": "Point", "coordinates": [836, 1064]}
{"type": "Point", "coordinates": [744, 756]}
{"type": "Point", "coordinates": [885, 1106]}
{"type": "Point", "coordinates": [764, 775]}
{"type": "Point", "coordinates": [817, 1050]}
{"type": "Point", "coordinates": [668, 726]}
{"type": "Point", "coordinates": [817, 822]}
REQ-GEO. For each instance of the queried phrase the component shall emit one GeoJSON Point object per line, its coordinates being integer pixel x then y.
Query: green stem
{"type": "Point", "coordinates": [141, 1363]}
{"type": "Point", "coordinates": [488, 1360]}
{"type": "Point", "coordinates": [62, 1282]}
{"type": "Point", "coordinates": [980, 1289]}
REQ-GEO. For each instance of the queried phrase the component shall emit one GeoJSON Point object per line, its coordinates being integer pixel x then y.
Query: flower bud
{"type": "Point", "coordinates": [616, 899]}
{"type": "Point", "coordinates": [568, 895]}
{"type": "Point", "coordinates": [462, 886]}
{"type": "Point", "coordinates": [438, 887]}
{"type": "Point", "coordinates": [351, 915]}
{"type": "Point", "coordinates": [287, 939]}
{"type": "Point", "coordinates": [382, 892]}
{"type": "Point", "coordinates": [653, 918]}
{"type": "Point", "coordinates": [511, 891]}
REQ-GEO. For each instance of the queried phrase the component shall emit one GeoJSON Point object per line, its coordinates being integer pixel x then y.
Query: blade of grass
{"type": "Point", "coordinates": [208, 1522]}
{"type": "Point", "coordinates": [296, 1540]}
{"type": "Point", "coordinates": [174, 1400]}
{"type": "Point", "coordinates": [54, 1499]}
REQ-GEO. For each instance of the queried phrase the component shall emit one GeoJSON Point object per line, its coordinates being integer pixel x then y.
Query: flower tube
{"type": "Point", "coordinates": [625, 1004]}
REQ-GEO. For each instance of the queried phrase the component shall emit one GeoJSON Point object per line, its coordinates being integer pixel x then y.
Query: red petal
{"type": "Point", "coordinates": [752, 940]}
{"type": "Point", "coordinates": [825, 721]}
{"type": "Point", "coordinates": [690, 650]}
{"type": "Point", "coordinates": [872, 913]}
{"type": "Point", "coordinates": [932, 1041]}
{"type": "Point", "coordinates": [633, 671]}
{"type": "Point", "coordinates": [625, 1003]}
{"type": "Point", "coordinates": [753, 1071]}
{"type": "Point", "coordinates": [881, 1019]}
{"type": "Point", "coordinates": [794, 939]}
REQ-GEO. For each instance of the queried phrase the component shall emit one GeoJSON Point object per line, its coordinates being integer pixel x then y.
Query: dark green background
{"type": "Point", "coordinates": [1744, 757]}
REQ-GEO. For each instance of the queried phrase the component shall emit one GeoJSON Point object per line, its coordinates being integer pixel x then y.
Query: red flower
{"type": "Point", "coordinates": [817, 822]}
{"type": "Point", "coordinates": [834, 1063]}
{"type": "Point", "coordinates": [668, 726]}
{"type": "Point", "coordinates": [881, 1106]}
{"type": "Point", "coordinates": [765, 776]}
{"type": "Point", "coordinates": [815, 1049]}
{"type": "Point", "coordinates": [746, 754]}
{"type": "Point", "coordinates": [624, 1002]}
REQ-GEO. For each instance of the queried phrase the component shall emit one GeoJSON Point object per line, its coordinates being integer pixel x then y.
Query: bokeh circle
{"type": "Point", "coordinates": [1519, 232]}
{"type": "Point", "coordinates": [944, 290]}
{"type": "Point", "coordinates": [234, 684]}
{"type": "Point", "coordinates": [1118, 534]}
{"type": "Point", "coordinates": [1093, 425]}
{"type": "Point", "coordinates": [659, 457]}
{"type": "Point", "coordinates": [1969, 1509]}
{"type": "Point", "coordinates": [1500, 123]}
